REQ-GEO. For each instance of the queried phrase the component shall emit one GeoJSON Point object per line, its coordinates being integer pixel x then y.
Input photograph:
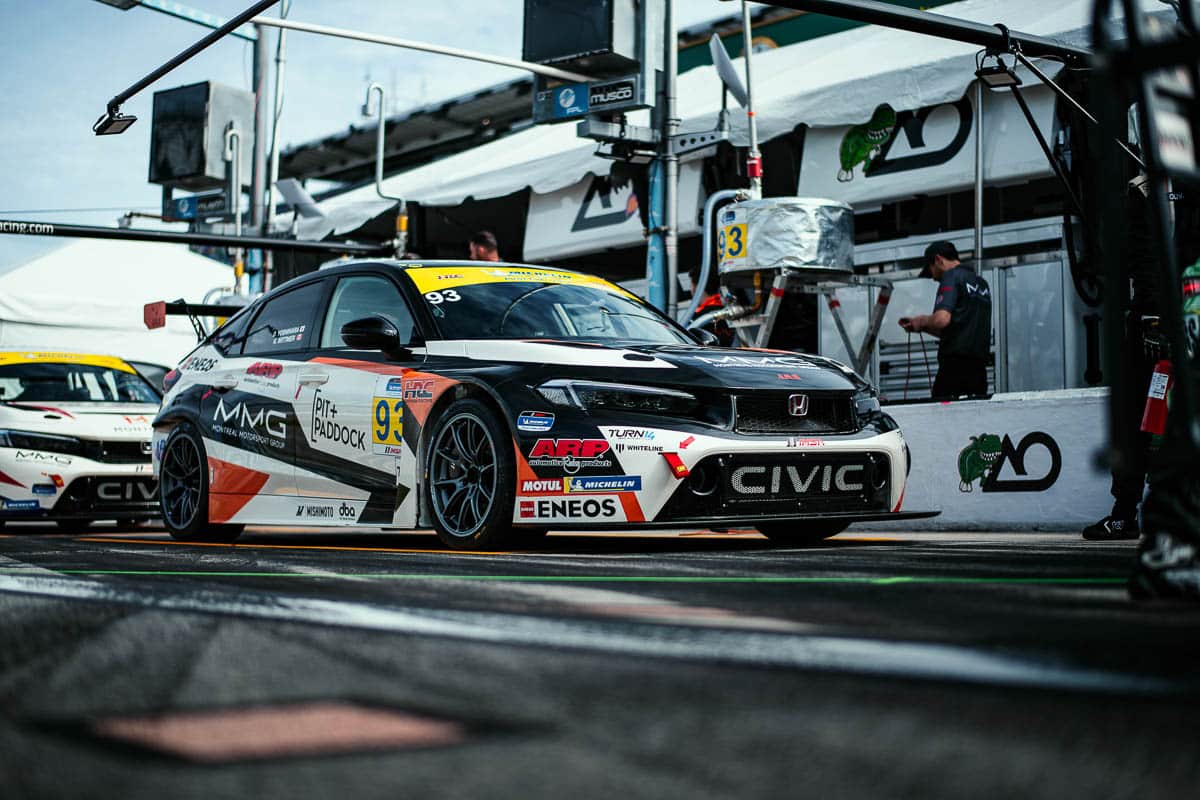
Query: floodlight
{"type": "Point", "coordinates": [113, 122]}
{"type": "Point", "coordinates": [998, 75]}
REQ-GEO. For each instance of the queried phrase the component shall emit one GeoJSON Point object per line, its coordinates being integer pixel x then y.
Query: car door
{"type": "Point", "coordinates": [351, 410]}
{"type": "Point", "coordinates": [250, 412]}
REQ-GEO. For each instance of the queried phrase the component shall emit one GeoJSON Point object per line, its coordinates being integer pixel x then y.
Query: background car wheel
{"type": "Point", "coordinates": [469, 477]}
{"type": "Point", "coordinates": [801, 533]}
{"type": "Point", "coordinates": [183, 490]}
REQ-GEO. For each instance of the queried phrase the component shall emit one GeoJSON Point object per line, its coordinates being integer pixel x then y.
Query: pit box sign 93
{"type": "Point", "coordinates": [732, 243]}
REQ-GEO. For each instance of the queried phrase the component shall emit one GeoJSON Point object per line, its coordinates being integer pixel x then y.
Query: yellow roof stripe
{"type": "Point", "coordinates": [432, 279]}
{"type": "Point", "coordinates": [26, 357]}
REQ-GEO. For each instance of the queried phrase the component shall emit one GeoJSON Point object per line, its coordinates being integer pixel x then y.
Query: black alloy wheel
{"type": "Point", "coordinates": [469, 478]}
{"type": "Point", "coordinates": [798, 534]}
{"type": "Point", "coordinates": [183, 490]}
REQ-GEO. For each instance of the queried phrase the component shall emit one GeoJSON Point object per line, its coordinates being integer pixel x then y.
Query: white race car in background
{"type": "Point", "coordinates": [74, 439]}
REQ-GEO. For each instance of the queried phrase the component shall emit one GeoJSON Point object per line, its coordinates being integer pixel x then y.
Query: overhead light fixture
{"type": "Point", "coordinates": [997, 75]}
{"type": "Point", "coordinates": [113, 122]}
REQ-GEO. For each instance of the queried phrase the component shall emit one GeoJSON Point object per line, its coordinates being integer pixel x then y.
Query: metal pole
{"type": "Point", "coordinates": [277, 106]}
{"type": "Point", "coordinates": [1061, 92]}
{"type": "Point", "coordinates": [671, 159]}
{"type": "Point", "coordinates": [233, 155]}
{"type": "Point", "coordinates": [380, 141]}
{"type": "Point", "coordinates": [114, 104]}
{"type": "Point", "coordinates": [978, 173]}
{"type": "Point", "coordinates": [930, 24]}
{"type": "Point", "coordinates": [754, 160]}
{"type": "Point", "coordinates": [27, 228]}
{"type": "Point", "coordinates": [409, 44]}
{"type": "Point", "coordinates": [258, 168]}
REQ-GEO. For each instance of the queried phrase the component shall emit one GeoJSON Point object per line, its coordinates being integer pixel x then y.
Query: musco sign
{"type": "Point", "coordinates": [614, 95]}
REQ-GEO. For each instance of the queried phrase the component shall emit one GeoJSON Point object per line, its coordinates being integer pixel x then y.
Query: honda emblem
{"type": "Point", "coordinates": [798, 405]}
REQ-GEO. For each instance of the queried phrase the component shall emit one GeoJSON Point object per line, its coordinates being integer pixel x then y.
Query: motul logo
{"type": "Point", "coordinates": [569, 448]}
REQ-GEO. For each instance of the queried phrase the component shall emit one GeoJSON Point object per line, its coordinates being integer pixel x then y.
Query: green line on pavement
{"type": "Point", "coordinates": [887, 581]}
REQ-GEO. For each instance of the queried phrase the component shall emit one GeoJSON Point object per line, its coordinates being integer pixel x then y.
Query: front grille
{"type": "Point", "coordinates": [709, 491]}
{"type": "Point", "coordinates": [132, 496]}
{"type": "Point", "coordinates": [117, 452]}
{"type": "Point", "coordinates": [769, 413]}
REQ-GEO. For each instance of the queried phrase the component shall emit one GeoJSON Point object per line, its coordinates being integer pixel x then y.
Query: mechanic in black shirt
{"type": "Point", "coordinates": [961, 319]}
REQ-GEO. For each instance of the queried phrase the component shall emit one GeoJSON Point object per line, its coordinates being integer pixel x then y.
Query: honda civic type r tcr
{"type": "Point", "coordinates": [74, 438]}
{"type": "Point", "coordinates": [492, 402]}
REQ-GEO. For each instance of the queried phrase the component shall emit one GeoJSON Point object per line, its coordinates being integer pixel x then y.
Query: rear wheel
{"type": "Point", "coordinates": [801, 533]}
{"type": "Point", "coordinates": [183, 490]}
{"type": "Point", "coordinates": [469, 477]}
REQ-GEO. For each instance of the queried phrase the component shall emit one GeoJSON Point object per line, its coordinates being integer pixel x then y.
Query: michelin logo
{"type": "Point", "coordinates": [594, 483]}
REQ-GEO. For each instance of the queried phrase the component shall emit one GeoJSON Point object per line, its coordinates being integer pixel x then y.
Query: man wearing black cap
{"type": "Point", "coordinates": [961, 319]}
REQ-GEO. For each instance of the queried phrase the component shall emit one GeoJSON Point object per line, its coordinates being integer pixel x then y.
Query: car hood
{"type": "Point", "coordinates": [670, 365]}
{"type": "Point", "coordinates": [110, 421]}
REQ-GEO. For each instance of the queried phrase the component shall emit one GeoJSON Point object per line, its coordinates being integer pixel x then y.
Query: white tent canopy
{"type": "Point", "coordinates": [833, 80]}
{"type": "Point", "coordinates": [87, 296]}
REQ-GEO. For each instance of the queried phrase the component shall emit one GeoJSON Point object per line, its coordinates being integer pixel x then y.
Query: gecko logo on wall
{"type": "Point", "coordinates": [600, 192]}
{"type": "Point", "coordinates": [870, 143]}
{"type": "Point", "coordinates": [987, 455]}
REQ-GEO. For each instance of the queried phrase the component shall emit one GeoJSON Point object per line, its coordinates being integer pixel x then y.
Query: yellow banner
{"type": "Point", "coordinates": [109, 362]}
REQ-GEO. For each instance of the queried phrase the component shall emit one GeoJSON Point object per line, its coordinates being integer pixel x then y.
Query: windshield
{"type": "Point", "coordinates": [72, 383]}
{"type": "Point", "coordinates": [538, 310]}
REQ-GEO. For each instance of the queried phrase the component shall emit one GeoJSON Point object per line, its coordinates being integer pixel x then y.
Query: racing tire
{"type": "Point", "coordinates": [183, 490]}
{"type": "Point", "coordinates": [470, 477]}
{"type": "Point", "coordinates": [801, 533]}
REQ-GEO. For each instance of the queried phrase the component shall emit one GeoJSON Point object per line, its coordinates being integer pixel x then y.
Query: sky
{"type": "Point", "coordinates": [60, 61]}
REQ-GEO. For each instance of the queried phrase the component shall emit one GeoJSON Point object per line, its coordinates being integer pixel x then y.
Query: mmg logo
{"type": "Point", "coordinates": [273, 422]}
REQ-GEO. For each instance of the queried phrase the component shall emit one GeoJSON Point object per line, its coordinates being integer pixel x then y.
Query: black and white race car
{"type": "Point", "coordinates": [492, 402]}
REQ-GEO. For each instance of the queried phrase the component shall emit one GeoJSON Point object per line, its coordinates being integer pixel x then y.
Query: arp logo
{"type": "Point", "coordinates": [265, 369]}
{"type": "Point", "coordinates": [569, 448]}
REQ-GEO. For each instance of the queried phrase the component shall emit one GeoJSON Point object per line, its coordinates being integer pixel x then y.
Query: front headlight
{"type": "Point", "coordinates": [593, 396]}
{"type": "Point", "coordinates": [48, 442]}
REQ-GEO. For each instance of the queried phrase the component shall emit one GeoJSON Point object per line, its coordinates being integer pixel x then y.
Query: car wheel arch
{"type": "Point", "coordinates": [467, 388]}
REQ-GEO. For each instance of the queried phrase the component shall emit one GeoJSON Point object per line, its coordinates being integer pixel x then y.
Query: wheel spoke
{"type": "Point", "coordinates": [464, 451]}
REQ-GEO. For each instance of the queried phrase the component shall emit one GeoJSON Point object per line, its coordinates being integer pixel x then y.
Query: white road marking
{"type": "Point", "coordinates": [912, 660]}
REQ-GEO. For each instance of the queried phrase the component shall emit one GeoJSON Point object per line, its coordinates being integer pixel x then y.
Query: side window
{"type": "Point", "coordinates": [284, 322]}
{"type": "Point", "coordinates": [361, 296]}
{"type": "Point", "coordinates": [229, 337]}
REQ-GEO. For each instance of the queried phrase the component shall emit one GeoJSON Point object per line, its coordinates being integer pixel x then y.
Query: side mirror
{"type": "Point", "coordinates": [705, 337]}
{"type": "Point", "coordinates": [373, 333]}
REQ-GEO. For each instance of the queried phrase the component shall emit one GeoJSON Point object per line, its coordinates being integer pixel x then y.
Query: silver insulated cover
{"type": "Point", "coordinates": [809, 234]}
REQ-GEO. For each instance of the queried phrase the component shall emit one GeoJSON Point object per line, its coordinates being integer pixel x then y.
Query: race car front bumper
{"type": "Point", "coordinates": [58, 487]}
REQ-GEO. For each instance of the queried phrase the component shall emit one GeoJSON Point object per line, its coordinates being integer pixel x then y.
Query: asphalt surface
{"type": "Point", "coordinates": [666, 665]}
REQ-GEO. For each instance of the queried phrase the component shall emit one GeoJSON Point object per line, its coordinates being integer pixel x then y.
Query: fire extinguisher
{"type": "Point", "coordinates": [1154, 418]}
